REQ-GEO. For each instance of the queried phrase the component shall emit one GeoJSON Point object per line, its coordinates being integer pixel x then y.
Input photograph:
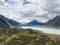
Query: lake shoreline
{"type": "Point", "coordinates": [44, 29]}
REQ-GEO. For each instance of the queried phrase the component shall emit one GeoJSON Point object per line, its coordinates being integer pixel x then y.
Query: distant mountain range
{"type": "Point", "coordinates": [54, 22]}
{"type": "Point", "coordinates": [5, 22]}
{"type": "Point", "coordinates": [34, 23]}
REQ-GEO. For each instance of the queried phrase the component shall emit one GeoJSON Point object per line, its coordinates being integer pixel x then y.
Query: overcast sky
{"type": "Point", "coordinates": [27, 10]}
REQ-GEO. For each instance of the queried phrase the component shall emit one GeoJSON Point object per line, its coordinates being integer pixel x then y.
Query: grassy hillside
{"type": "Point", "coordinates": [26, 37]}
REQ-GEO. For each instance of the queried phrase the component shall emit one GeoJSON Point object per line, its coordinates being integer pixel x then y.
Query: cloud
{"type": "Point", "coordinates": [25, 2]}
{"type": "Point", "coordinates": [27, 10]}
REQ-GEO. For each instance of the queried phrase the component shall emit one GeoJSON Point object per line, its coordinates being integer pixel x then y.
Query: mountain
{"type": "Point", "coordinates": [34, 23]}
{"type": "Point", "coordinates": [13, 22]}
{"type": "Point", "coordinates": [54, 22]}
{"type": "Point", "coordinates": [5, 22]}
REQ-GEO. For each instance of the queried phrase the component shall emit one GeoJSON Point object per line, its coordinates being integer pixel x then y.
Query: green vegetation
{"type": "Point", "coordinates": [25, 37]}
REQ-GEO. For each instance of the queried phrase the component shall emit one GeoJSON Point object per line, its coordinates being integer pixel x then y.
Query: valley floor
{"type": "Point", "coordinates": [27, 37]}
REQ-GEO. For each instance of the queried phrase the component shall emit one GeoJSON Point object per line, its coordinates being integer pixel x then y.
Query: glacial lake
{"type": "Point", "coordinates": [49, 30]}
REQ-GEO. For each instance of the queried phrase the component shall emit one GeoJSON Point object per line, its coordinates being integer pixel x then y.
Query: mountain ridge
{"type": "Point", "coordinates": [34, 23]}
{"type": "Point", "coordinates": [6, 23]}
{"type": "Point", "coordinates": [54, 22]}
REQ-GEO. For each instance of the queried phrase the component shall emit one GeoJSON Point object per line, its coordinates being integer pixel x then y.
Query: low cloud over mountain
{"type": "Point", "coordinates": [26, 10]}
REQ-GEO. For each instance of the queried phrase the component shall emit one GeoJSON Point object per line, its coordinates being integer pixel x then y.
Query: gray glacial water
{"type": "Point", "coordinates": [44, 29]}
